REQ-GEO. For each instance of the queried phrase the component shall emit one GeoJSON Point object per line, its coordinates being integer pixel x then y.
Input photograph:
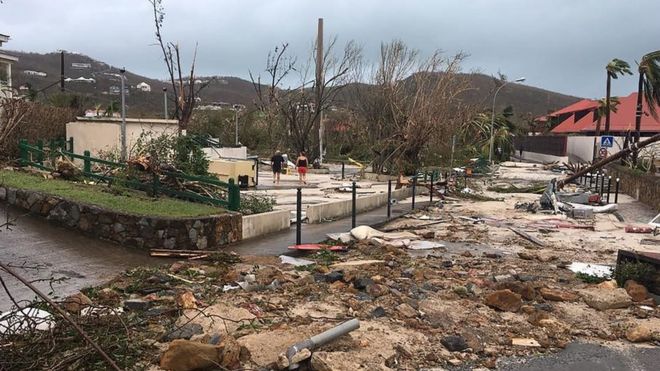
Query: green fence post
{"type": "Point", "coordinates": [87, 167]}
{"type": "Point", "coordinates": [40, 152]}
{"type": "Point", "coordinates": [155, 184]}
{"type": "Point", "coordinates": [233, 196]}
{"type": "Point", "coordinates": [70, 149]}
{"type": "Point", "coordinates": [22, 145]}
{"type": "Point", "coordinates": [51, 149]}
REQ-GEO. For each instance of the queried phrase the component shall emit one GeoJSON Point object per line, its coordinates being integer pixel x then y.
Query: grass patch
{"type": "Point", "coordinates": [128, 201]}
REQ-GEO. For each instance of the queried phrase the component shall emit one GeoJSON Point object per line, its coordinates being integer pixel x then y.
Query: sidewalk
{"type": "Point", "coordinates": [277, 243]}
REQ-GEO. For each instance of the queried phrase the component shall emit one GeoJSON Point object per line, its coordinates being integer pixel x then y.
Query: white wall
{"type": "Point", "coordinates": [104, 134]}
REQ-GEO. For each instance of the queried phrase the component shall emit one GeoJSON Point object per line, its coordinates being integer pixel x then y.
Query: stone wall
{"type": "Point", "coordinates": [643, 187]}
{"type": "Point", "coordinates": [199, 233]}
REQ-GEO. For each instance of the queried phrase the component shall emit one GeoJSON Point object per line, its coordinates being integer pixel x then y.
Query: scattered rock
{"type": "Point", "coordinates": [603, 299]}
{"type": "Point", "coordinates": [406, 310]}
{"type": "Point", "coordinates": [504, 300]}
{"type": "Point", "coordinates": [186, 300]}
{"type": "Point", "coordinates": [282, 362]}
{"type": "Point", "coordinates": [525, 342]}
{"type": "Point", "coordinates": [377, 290]}
{"type": "Point", "coordinates": [334, 276]}
{"type": "Point", "coordinates": [493, 255]}
{"type": "Point", "coordinates": [526, 256]}
{"type": "Point", "coordinates": [378, 312]}
{"type": "Point", "coordinates": [636, 291]}
{"type": "Point", "coordinates": [503, 278]}
{"type": "Point", "coordinates": [301, 356]}
{"type": "Point", "coordinates": [454, 343]}
{"type": "Point", "coordinates": [76, 302]}
{"type": "Point", "coordinates": [639, 333]}
{"type": "Point", "coordinates": [108, 297]}
{"type": "Point", "coordinates": [362, 283]}
{"type": "Point", "coordinates": [557, 295]}
{"type": "Point", "coordinates": [184, 332]}
{"type": "Point", "coordinates": [610, 285]}
{"type": "Point", "coordinates": [136, 304]}
{"type": "Point", "coordinates": [525, 290]}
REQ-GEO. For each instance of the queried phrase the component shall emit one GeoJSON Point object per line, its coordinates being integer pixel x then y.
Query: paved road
{"type": "Point", "coordinates": [39, 250]}
{"type": "Point", "coordinates": [589, 357]}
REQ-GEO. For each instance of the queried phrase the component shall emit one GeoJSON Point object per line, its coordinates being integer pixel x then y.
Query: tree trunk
{"type": "Point", "coordinates": [596, 134]}
{"type": "Point", "coordinates": [638, 113]}
{"type": "Point", "coordinates": [607, 104]}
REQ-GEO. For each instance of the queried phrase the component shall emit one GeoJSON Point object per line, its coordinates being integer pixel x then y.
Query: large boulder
{"type": "Point", "coordinates": [504, 300]}
{"type": "Point", "coordinates": [636, 291]}
{"type": "Point", "coordinates": [603, 299]}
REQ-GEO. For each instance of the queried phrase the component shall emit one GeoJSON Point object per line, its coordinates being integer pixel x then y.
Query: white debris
{"type": "Point", "coordinates": [342, 237]}
{"type": "Point", "coordinates": [25, 319]}
{"type": "Point", "coordinates": [297, 262]}
{"type": "Point", "coordinates": [424, 245]}
{"type": "Point", "coordinates": [596, 209]}
{"type": "Point", "coordinates": [597, 270]}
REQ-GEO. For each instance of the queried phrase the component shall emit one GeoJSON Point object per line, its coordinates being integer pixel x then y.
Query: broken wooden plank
{"type": "Point", "coordinates": [527, 236]}
{"type": "Point", "coordinates": [650, 241]}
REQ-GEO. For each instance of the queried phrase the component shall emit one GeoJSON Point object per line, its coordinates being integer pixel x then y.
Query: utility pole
{"type": "Point", "coordinates": [62, 71]}
{"type": "Point", "coordinates": [319, 83]}
{"type": "Point", "coordinates": [165, 103]}
{"type": "Point", "coordinates": [236, 109]}
{"type": "Point", "coordinates": [123, 116]}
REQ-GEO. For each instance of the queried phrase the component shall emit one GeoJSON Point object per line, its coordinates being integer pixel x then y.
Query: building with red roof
{"type": "Point", "coordinates": [582, 117]}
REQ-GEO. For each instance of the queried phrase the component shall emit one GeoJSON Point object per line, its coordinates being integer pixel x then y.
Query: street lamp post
{"type": "Point", "coordinates": [123, 116]}
{"type": "Point", "coordinates": [236, 109]}
{"type": "Point", "coordinates": [165, 103]}
{"type": "Point", "coordinates": [492, 120]}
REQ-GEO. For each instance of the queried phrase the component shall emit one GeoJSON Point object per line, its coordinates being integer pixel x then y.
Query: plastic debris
{"type": "Point", "coordinates": [297, 262]}
{"type": "Point", "coordinates": [424, 245]}
{"type": "Point", "coordinates": [597, 270]}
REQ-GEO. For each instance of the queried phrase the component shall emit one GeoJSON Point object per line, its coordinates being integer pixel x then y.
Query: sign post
{"type": "Point", "coordinates": [606, 141]}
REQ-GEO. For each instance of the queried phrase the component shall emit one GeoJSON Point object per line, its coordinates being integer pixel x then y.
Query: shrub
{"type": "Point", "coordinates": [640, 272]}
{"type": "Point", "coordinates": [256, 204]}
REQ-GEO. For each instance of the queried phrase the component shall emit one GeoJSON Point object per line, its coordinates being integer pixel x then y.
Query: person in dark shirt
{"type": "Point", "coordinates": [276, 163]}
{"type": "Point", "coordinates": [302, 163]}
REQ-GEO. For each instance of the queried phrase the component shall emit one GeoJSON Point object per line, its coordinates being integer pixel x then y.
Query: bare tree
{"type": "Point", "coordinates": [411, 106]}
{"type": "Point", "coordinates": [296, 110]}
{"type": "Point", "coordinates": [12, 112]}
{"type": "Point", "coordinates": [185, 88]}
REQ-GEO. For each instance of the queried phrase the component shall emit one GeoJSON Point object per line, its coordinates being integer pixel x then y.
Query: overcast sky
{"type": "Point", "coordinates": [560, 45]}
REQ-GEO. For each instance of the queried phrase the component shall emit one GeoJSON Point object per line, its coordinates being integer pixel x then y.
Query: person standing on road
{"type": "Point", "coordinates": [276, 163]}
{"type": "Point", "coordinates": [302, 163]}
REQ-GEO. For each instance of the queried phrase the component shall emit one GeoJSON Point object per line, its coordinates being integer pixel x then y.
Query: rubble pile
{"type": "Point", "coordinates": [460, 285]}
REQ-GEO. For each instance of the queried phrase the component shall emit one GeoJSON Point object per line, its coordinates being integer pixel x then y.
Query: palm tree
{"type": "Point", "coordinates": [604, 107]}
{"type": "Point", "coordinates": [615, 68]}
{"type": "Point", "coordinates": [649, 88]}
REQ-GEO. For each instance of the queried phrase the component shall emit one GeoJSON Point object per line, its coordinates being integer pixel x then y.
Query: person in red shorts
{"type": "Point", "coordinates": [302, 163]}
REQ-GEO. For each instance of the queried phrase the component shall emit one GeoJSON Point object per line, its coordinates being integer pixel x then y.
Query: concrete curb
{"type": "Point", "coordinates": [340, 209]}
{"type": "Point", "coordinates": [260, 224]}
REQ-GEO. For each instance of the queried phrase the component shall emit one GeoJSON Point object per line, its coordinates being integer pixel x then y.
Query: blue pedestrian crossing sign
{"type": "Point", "coordinates": [607, 141]}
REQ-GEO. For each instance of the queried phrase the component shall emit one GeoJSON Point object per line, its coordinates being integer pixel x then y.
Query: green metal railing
{"type": "Point", "coordinates": [36, 155]}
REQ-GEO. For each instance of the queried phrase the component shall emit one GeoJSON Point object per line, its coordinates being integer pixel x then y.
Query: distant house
{"type": "Point", "coordinates": [81, 79]}
{"type": "Point", "coordinates": [116, 90]}
{"type": "Point", "coordinates": [35, 73]}
{"type": "Point", "coordinates": [6, 61]}
{"type": "Point", "coordinates": [581, 118]}
{"type": "Point", "coordinates": [143, 86]}
{"type": "Point", "coordinates": [80, 66]}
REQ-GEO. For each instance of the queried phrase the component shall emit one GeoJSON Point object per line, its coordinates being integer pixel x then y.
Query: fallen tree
{"type": "Point", "coordinates": [626, 151]}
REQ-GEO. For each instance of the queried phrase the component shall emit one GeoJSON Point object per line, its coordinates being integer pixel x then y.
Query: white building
{"type": "Point", "coordinates": [35, 73]}
{"type": "Point", "coordinates": [6, 61]}
{"type": "Point", "coordinates": [143, 86]}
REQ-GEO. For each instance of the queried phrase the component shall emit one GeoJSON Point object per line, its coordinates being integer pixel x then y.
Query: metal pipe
{"type": "Point", "coordinates": [299, 216]}
{"type": "Point", "coordinates": [165, 103]}
{"type": "Point", "coordinates": [322, 339]}
{"type": "Point", "coordinates": [389, 198]}
{"type": "Point", "coordinates": [343, 166]}
{"type": "Point", "coordinates": [616, 192]}
{"type": "Point", "coordinates": [609, 187]}
{"type": "Point", "coordinates": [414, 191]}
{"type": "Point", "coordinates": [353, 204]}
{"type": "Point", "coordinates": [602, 184]}
{"type": "Point", "coordinates": [124, 153]}
{"type": "Point", "coordinates": [431, 189]}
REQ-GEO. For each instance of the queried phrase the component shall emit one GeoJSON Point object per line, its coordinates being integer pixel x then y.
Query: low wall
{"type": "Point", "coordinates": [541, 157]}
{"type": "Point", "coordinates": [643, 187]}
{"type": "Point", "coordinates": [265, 223]}
{"type": "Point", "coordinates": [198, 233]}
{"type": "Point", "coordinates": [378, 177]}
{"type": "Point", "coordinates": [339, 209]}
